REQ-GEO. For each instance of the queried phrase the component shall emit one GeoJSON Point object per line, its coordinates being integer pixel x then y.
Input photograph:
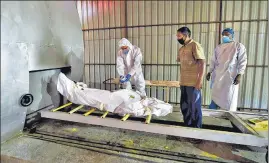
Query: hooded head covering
{"type": "Point", "coordinates": [125, 42]}
{"type": "Point", "coordinates": [229, 30]}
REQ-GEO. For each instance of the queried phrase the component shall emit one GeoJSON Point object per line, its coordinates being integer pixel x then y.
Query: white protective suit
{"type": "Point", "coordinates": [131, 64]}
{"type": "Point", "coordinates": [229, 60]}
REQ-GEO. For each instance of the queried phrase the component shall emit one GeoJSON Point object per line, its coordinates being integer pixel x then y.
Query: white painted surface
{"type": "Point", "coordinates": [35, 35]}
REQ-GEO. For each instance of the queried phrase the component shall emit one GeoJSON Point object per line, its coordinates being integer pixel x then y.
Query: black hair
{"type": "Point", "coordinates": [66, 70]}
{"type": "Point", "coordinates": [185, 30]}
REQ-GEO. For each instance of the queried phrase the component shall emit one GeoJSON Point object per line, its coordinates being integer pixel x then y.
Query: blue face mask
{"type": "Point", "coordinates": [225, 39]}
{"type": "Point", "coordinates": [125, 51]}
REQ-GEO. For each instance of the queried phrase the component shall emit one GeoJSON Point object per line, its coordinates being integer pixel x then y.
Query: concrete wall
{"type": "Point", "coordinates": [36, 36]}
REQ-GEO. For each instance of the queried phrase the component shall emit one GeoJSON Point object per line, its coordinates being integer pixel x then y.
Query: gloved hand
{"type": "Point", "coordinates": [126, 78]}
{"type": "Point", "coordinates": [208, 76]}
{"type": "Point", "coordinates": [237, 79]}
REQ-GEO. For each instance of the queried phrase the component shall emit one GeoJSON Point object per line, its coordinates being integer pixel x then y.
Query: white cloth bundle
{"type": "Point", "coordinates": [120, 102]}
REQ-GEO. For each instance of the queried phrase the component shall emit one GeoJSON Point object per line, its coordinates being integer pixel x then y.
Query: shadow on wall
{"type": "Point", "coordinates": [48, 90]}
{"type": "Point", "coordinates": [49, 87]}
{"type": "Point", "coordinates": [77, 66]}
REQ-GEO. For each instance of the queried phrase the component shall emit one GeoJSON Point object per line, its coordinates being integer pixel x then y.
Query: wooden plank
{"type": "Point", "coordinates": [204, 134]}
{"type": "Point", "coordinates": [157, 83]}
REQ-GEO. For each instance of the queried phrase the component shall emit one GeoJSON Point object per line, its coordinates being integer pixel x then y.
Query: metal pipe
{"type": "Point", "coordinates": [157, 92]}
{"type": "Point", "coordinates": [233, 15]}
{"type": "Point", "coordinates": [103, 9]}
{"type": "Point", "coordinates": [32, 71]}
{"type": "Point", "coordinates": [248, 45]}
{"type": "Point", "coordinates": [171, 51]}
{"type": "Point", "coordinates": [207, 45]}
{"type": "Point", "coordinates": [255, 59]}
{"type": "Point", "coordinates": [109, 45]}
{"type": "Point", "coordinates": [98, 38]}
{"type": "Point", "coordinates": [264, 60]}
{"type": "Point", "coordinates": [220, 21]}
{"type": "Point", "coordinates": [145, 42]}
{"type": "Point", "coordinates": [94, 74]}
{"type": "Point", "coordinates": [83, 24]}
{"type": "Point", "coordinates": [126, 18]}
{"type": "Point", "coordinates": [200, 34]}
{"type": "Point", "coordinates": [164, 17]}
{"type": "Point", "coordinates": [243, 77]}
{"type": "Point", "coordinates": [88, 44]}
{"type": "Point", "coordinates": [151, 46]}
{"type": "Point", "coordinates": [115, 69]}
{"type": "Point", "coordinates": [178, 24]}
{"type": "Point", "coordinates": [108, 64]}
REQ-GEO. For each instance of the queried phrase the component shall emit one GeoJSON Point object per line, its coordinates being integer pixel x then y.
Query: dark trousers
{"type": "Point", "coordinates": [191, 106]}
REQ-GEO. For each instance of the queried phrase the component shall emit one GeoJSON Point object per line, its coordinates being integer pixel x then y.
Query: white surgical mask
{"type": "Point", "coordinates": [226, 39]}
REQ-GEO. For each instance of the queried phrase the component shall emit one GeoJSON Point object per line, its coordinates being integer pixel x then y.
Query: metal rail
{"type": "Point", "coordinates": [195, 133]}
{"type": "Point", "coordinates": [171, 24]}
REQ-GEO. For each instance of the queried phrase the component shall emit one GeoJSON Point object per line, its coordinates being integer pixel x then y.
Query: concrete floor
{"type": "Point", "coordinates": [40, 151]}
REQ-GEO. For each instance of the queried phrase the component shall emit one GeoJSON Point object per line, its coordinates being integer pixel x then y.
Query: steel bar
{"type": "Point", "coordinates": [98, 38]}
{"type": "Point", "coordinates": [200, 38]}
{"type": "Point", "coordinates": [108, 6]}
{"type": "Point", "coordinates": [83, 33]}
{"type": "Point", "coordinates": [151, 51]}
{"type": "Point", "coordinates": [264, 61]}
{"type": "Point", "coordinates": [113, 64]}
{"type": "Point", "coordinates": [104, 45]}
{"type": "Point", "coordinates": [248, 48]}
{"type": "Point", "coordinates": [241, 125]}
{"type": "Point", "coordinates": [94, 49]}
{"type": "Point", "coordinates": [243, 77]}
{"type": "Point", "coordinates": [171, 51]}
{"type": "Point", "coordinates": [207, 46]}
{"type": "Point", "coordinates": [163, 60]}
{"type": "Point", "coordinates": [89, 56]}
{"type": "Point", "coordinates": [220, 19]}
{"type": "Point", "coordinates": [126, 19]}
{"type": "Point", "coordinates": [179, 24]}
{"type": "Point", "coordinates": [157, 49]}
{"type": "Point", "coordinates": [254, 85]}
{"type": "Point", "coordinates": [46, 107]}
{"type": "Point", "coordinates": [48, 69]}
{"type": "Point", "coordinates": [110, 147]}
{"type": "Point", "coordinates": [114, 12]}
{"type": "Point", "coordinates": [195, 133]}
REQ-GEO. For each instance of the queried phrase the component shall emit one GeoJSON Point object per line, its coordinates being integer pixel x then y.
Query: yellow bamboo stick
{"type": "Point", "coordinates": [125, 117]}
{"type": "Point", "coordinates": [76, 109]}
{"type": "Point", "coordinates": [54, 110]}
{"type": "Point", "coordinates": [89, 112]}
{"type": "Point", "coordinates": [105, 114]}
{"type": "Point", "coordinates": [148, 119]}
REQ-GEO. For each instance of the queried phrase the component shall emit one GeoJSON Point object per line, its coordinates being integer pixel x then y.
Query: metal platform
{"type": "Point", "coordinates": [249, 136]}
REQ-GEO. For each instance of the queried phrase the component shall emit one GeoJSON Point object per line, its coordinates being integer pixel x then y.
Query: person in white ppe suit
{"type": "Point", "coordinates": [129, 66]}
{"type": "Point", "coordinates": [227, 66]}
